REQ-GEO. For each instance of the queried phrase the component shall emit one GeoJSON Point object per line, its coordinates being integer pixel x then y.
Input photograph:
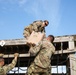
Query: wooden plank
{"type": "Point", "coordinates": [35, 37]}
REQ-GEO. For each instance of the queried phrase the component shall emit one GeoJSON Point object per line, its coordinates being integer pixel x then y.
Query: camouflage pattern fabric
{"type": "Point", "coordinates": [2, 71]}
{"type": "Point", "coordinates": [6, 68]}
{"type": "Point", "coordinates": [44, 53]}
{"type": "Point", "coordinates": [44, 56]}
{"type": "Point", "coordinates": [36, 70]}
{"type": "Point", "coordinates": [35, 49]}
{"type": "Point", "coordinates": [35, 26]}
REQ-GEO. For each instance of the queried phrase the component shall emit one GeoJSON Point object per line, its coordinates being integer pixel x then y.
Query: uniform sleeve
{"type": "Point", "coordinates": [34, 50]}
{"type": "Point", "coordinates": [43, 31]}
{"type": "Point", "coordinates": [44, 56]}
{"type": "Point", "coordinates": [38, 23]}
{"type": "Point", "coordinates": [10, 66]}
{"type": "Point", "coordinates": [27, 31]}
{"type": "Point", "coordinates": [39, 26]}
{"type": "Point", "coordinates": [49, 50]}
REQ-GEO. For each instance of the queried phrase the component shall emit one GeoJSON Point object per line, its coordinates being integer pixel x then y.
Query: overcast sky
{"type": "Point", "coordinates": [16, 14]}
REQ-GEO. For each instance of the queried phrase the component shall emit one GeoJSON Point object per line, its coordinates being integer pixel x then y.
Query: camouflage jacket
{"type": "Point", "coordinates": [5, 69]}
{"type": "Point", "coordinates": [43, 53]}
{"type": "Point", "coordinates": [35, 26]}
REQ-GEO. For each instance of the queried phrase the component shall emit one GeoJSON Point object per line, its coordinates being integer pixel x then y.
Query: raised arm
{"type": "Point", "coordinates": [12, 64]}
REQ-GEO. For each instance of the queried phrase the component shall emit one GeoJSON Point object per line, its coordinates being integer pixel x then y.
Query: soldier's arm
{"type": "Point", "coordinates": [38, 23]}
{"type": "Point", "coordinates": [43, 30]}
{"type": "Point", "coordinates": [26, 31]}
{"type": "Point", "coordinates": [11, 65]}
{"type": "Point", "coordinates": [51, 49]}
{"type": "Point", "coordinates": [35, 49]}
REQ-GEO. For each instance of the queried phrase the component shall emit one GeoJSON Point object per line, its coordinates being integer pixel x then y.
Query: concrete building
{"type": "Point", "coordinates": [63, 61]}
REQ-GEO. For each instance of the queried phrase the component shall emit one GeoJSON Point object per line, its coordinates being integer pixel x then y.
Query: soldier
{"type": "Point", "coordinates": [4, 69]}
{"type": "Point", "coordinates": [37, 26]}
{"type": "Point", "coordinates": [43, 52]}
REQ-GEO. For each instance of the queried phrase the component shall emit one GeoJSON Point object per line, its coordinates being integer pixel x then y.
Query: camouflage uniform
{"type": "Point", "coordinates": [41, 64]}
{"type": "Point", "coordinates": [35, 26]}
{"type": "Point", "coordinates": [4, 69]}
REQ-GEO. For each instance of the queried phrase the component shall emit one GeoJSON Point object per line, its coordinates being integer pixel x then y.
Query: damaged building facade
{"type": "Point", "coordinates": [63, 61]}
